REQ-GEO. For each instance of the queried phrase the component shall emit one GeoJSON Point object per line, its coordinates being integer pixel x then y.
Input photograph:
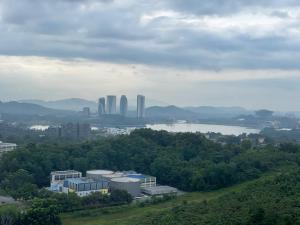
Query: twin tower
{"type": "Point", "coordinates": [109, 106]}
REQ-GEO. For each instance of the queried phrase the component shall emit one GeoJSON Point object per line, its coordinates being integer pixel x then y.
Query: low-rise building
{"type": "Point", "coordinates": [145, 180]}
{"type": "Point", "coordinates": [57, 179]}
{"type": "Point", "coordinates": [84, 186]}
{"type": "Point", "coordinates": [160, 190]}
{"type": "Point", "coordinates": [131, 185]}
{"type": "Point", "coordinates": [7, 147]}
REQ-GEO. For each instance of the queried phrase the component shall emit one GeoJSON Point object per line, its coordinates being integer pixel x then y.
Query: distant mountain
{"type": "Point", "coordinates": [170, 112]}
{"type": "Point", "coordinates": [75, 104]}
{"type": "Point", "coordinates": [209, 112]}
{"type": "Point", "coordinates": [29, 109]}
{"type": "Point", "coordinates": [201, 112]}
{"type": "Point", "coordinates": [149, 103]}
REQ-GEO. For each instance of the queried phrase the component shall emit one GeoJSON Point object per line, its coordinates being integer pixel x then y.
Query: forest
{"type": "Point", "coordinates": [187, 161]}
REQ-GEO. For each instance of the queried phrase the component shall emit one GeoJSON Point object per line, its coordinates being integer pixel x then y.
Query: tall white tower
{"type": "Point", "coordinates": [140, 106]}
{"type": "Point", "coordinates": [111, 105]}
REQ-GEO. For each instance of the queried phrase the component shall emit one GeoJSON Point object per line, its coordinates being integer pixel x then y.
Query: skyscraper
{"type": "Point", "coordinates": [86, 111]}
{"type": "Point", "coordinates": [123, 105]}
{"type": "Point", "coordinates": [111, 106]}
{"type": "Point", "coordinates": [101, 106]}
{"type": "Point", "coordinates": [140, 106]}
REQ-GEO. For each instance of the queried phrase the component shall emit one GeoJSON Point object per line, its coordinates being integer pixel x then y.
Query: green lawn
{"type": "Point", "coordinates": [127, 215]}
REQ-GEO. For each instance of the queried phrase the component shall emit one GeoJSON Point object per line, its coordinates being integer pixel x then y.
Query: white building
{"type": "Point", "coordinates": [140, 106]}
{"type": "Point", "coordinates": [7, 147]}
{"type": "Point", "coordinates": [85, 186]}
{"type": "Point", "coordinates": [145, 180]}
{"type": "Point", "coordinates": [111, 104]}
{"type": "Point", "coordinates": [57, 179]}
{"type": "Point", "coordinates": [160, 190]}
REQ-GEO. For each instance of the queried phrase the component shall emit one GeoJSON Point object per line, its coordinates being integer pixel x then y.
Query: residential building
{"type": "Point", "coordinates": [101, 107]}
{"type": "Point", "coordinates": [83, 130]}
{"type": "Point", "coordinates": [73, 131]}
{"type": "Point", "coordinates": [7, 147]}
{"type": "Point", "coordinates": [140, 106]}
{"type": "Point", "coordinates": [123, 105]}
{"type": "Point", "coordinates": [111, 106]}
{"type": "Point", "coordinates": [86, 111]}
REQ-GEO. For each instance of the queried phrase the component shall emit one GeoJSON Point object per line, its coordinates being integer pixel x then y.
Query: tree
{"type": "Point", "coordinates": [42, 212]}
{"type": "Point", "coordinates": [20, 184]}
{"type": "Point", "coordinates": [120, 196]}
{"type": "Point", "coordinates": [8, 215]}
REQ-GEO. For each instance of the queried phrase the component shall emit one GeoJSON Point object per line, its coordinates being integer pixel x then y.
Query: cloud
{"type": "Point", "coordinates": [235, 52]}
{"type": "Point", "coordinates": [192, 34]}
{"type": "Point", "coordinates": [50, 79]}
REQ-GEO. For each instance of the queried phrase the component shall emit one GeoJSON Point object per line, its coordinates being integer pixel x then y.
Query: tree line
{"type": "Point", "coordinates": [187, 161]}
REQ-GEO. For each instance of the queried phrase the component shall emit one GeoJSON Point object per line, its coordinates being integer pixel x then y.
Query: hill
{"type": "Point", "coordinates": [74, 104]}
{"type": "Point", "coordinates": [170, 112]}
{"type": "Point", "coordinates": [269, 200]}
{"type": "Point", "coordinates": [18, 108]}
{"type": "Point", "coordinates": [210, 112]}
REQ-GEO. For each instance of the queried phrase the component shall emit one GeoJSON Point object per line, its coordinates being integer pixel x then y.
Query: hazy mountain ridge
{"type": "Point", "coordinates": [29, 109]}
{"type": "Point", "coordinates": [74, 104]}
{"type": "Point", "coordinates": [224, 112]}
{"type": "Point", "coordinates": [162, 112]}
{"type": "Point", "coordinates": [77, 104]}
{"type": "Point", "coordinates": [170, 112]}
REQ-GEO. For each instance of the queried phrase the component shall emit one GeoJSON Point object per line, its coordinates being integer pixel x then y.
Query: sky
{"type": "Point", "coordinates": [183, 52]}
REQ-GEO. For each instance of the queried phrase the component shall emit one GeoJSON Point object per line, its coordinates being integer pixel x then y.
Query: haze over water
{"type": "Point", "coordinates": [203, 128]}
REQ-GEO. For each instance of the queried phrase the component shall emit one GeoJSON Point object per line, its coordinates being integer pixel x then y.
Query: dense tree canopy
{"type": "Point", "coordinates": [187, 161]}
{"type": "Point", "coordinates": [272, 200]}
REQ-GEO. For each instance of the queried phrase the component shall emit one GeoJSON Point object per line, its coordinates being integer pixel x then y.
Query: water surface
{"type": "Point", "coordinates": [203, 128]}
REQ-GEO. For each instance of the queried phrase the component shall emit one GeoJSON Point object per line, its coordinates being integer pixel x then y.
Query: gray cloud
{"type": "Point", "coordinates": [221, 7]}
{"type": "Point", "coordinates": [114, 31]}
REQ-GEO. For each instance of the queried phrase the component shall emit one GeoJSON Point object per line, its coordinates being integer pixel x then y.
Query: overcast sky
{"type": "Point", "coordinates": [184, 52]}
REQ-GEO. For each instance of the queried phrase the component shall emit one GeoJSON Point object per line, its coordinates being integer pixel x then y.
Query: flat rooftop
{"type": "Point", "coordinates": [8, 144]}
{"type": "Point", "coordinates": [83, 180]}
{"type": "Point", "coordinates": [64, 172]}
{"type": "Point", "coordinates": [161, 189]}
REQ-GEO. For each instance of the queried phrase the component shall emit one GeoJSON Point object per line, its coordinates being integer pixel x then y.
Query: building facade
{"type": "Point", "coordinates": [101, 106]}
{"type": "Point", "coordinates": [131, 185]}
{"type": "Point", "coordinates": [111, 106]}
{"type": "Point", "coordinates": [72, 131]}
{"type": "Point", "coordinates": [160, 190]}
{"type": "Point", "coordinates": [57, 179]}
{"type": "Point", "coordinates": [145, 180]}
{"type": "Point", "coordinates": [7, 147]}
{"type": "Point", "coordinates": [86, 112]}
{"type": "Point", "coordinates": [140, 107]}
{"type": "Point", "coordinates": [123, 105]}
{"type": "Point", "coordinates": [84, 186]}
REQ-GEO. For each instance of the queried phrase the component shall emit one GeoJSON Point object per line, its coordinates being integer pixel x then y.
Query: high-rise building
{"type": "Point", "coordinates": [86, 111]}
{"type": "Point", "coordinates": [73, 131]}
{"type": "Point", "coordinates": [140, 106]}
{"type": "Point", "coordinates": [101, 106]}
{"type": "Point", "coordinates": [111, 105]}
{"type": "Point", "coordinates": [123, 105]}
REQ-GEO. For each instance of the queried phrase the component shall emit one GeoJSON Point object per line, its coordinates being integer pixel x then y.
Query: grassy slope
{"type": "Point", "coordinates": [128, 215]}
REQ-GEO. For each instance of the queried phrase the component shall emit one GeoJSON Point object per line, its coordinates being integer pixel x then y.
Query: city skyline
{"type": "Point", "coordinates": [111, 108]}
